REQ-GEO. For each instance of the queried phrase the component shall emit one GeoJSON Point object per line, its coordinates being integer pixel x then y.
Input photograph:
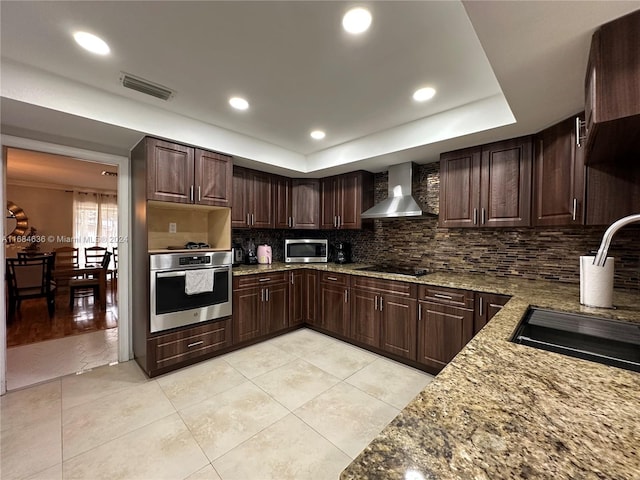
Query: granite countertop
{"type": "Point", "coordinates": [502, 410]}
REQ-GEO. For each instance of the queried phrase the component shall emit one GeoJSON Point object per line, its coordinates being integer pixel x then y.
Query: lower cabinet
{"type": "Point", "coordinates": [260, 305]}
{"type": "Point", "coordinates": [187, 345]}
{"type": "Point", "coordinates": [486, 306]}
{"type": "Point", "coordinates": [334, 299]}
{"type": "Point", "coordinates": [303, 297]}
{"type": "Point", "coordinates": [445, 324]}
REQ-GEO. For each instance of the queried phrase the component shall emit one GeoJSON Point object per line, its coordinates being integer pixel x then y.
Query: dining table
{"type": "Point", "coordinates": [87, 271]}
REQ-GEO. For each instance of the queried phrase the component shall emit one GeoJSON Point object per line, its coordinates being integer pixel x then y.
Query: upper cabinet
{"type": "Point", "coordinates": [296, 202]}
{"type": "Point", "coordinates": [182, 174]}
{"type": "Point", "coordinates": [487, 186]}
{"type": "Point", "coordinates": [344, 198]}
{"type": "Point", "coordinates": [252, 199]}
{"type": "Point", "coordinates": [612, 91]}
{"type": "Point", "coordinates": [558, 175]}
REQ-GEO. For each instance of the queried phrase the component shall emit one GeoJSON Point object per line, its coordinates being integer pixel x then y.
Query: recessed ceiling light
{"type": "Point", "coordinates": [238, 103]}
{"type": "Point", "coordinates": [424, 94]}
{"type": "Point", "coordinates": [356, 20]}
{"type": "Point", "coordinates": [90, 42]}
{"type": "Point", "coordinates": [317, 134]}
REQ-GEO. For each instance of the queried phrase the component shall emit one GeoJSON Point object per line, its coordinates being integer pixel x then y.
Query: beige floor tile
{"type": "Point", "coordinates": [295, 383]}
{"type": "Point", "coordinates": [99, 382]}
{"type": "Point", "coordinates": [30, 406]}
{"type": "Point", "coordinates": [29, 450]}
{"type": "Point", "coordinates": [341, 359]}
{"type": "Point", "coordinates": [224, 421]}
{"type": "Point", "coordinates": [53, 473]}
{"type": "Point", "coordinates": [287, 450]}
{"type": "Point", "coordinates": [390, 381]}
{"type": "Point", "coordinates": [303, 341]}
{"type": "Point", "coordinates": [194, 384]}
{"type": "Point", "coordinates": [258, 359]}
{"type": "Point", "coordinates": [164, 449]}
{"type": "Point", "coordinates": [207, 473]}
{"type": "Point", "coordinates": [347, 417]}
{"type": "Point", "coordinates": [91, 424]}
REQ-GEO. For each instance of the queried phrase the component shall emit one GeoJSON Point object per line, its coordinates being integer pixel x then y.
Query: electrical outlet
{"type": "Point", "coordinates": [172, 227]}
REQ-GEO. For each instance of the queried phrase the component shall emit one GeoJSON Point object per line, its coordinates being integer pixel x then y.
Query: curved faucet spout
{"type": "Point", "coordinates": [601, 256]}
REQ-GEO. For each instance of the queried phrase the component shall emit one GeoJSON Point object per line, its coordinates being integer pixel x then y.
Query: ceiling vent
{"type": "Point", "coordinates": [145, 86]}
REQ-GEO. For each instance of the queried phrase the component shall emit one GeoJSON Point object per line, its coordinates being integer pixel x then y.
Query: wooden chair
{"type": "Point", "coordinates": [114, 271]}
{"type": "Point", "coordinates": [66, 258]}
{"type": "Point", "coordinates": [90, 285]}
{"type": "Point", "coordinates": [29, 278]}
{"type": "Point", "coordinates": [94, 255]}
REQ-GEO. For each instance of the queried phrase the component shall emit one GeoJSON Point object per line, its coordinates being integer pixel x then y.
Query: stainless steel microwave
{"type": "Point", "coordinates": [306, 250]}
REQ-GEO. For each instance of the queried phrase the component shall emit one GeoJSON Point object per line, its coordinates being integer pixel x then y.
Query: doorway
{"type": "Point", "coordinates": [81, 334]}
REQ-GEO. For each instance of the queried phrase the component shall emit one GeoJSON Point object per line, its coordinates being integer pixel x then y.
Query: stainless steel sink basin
{"type": "Point", "coordinates": [610, 342]}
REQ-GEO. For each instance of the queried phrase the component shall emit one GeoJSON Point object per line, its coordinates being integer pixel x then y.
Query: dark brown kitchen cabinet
{"type": "Point", "coordinates": [344, 198]}
{"type": "Point", "coordinates": [303, 297]}
{"type": "Point", "coordinates": [260, 305]}
{"type": "Point", "coordinates": [383, 315]}
{"type": "Point", "coordinates": [612, 94]}
{"type": "Point", "coordinates": [445, 324]}
{"type": "Point", "coordinates": [252, 199]}
{"type": "Point", "coordinates": [185, 346]}
{"type": "Point", "coordinates": [334, 299]}
{"type": "Point", "coordinates": [613, 191]}
{"type": "Point", "coordinates": [558, 175]}
{"type": "Point", "coordinates": [296, 202]}
{"type": "Point", "coordinates": [487, 186]}
{"type": "Point", "coordinates": [487, 305]}
{"type": "Point", "coordinates": [182, 174]}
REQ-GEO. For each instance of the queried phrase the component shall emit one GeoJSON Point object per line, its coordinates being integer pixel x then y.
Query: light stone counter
{"type": "Point", "coordinates": [501, 410]}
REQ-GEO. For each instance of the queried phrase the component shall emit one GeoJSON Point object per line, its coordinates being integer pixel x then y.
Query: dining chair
{"type": "Point", "coordinates": [82, 287]}
{"type": "Point", "coordinates": [94, 255]}
{"type": "Point", "coordinates": [114, 271]}
{"type": "Point", "coordinates": [29, 278]}
{"type": "Point", "coordinates": [66, 258]}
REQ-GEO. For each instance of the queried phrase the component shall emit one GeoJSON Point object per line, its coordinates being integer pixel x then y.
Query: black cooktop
{"type": "Point", "coordinates": [399, 270]}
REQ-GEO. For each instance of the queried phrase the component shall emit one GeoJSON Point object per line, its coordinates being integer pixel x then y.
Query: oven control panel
{"type": "Point", "coordinates": [195, 260]}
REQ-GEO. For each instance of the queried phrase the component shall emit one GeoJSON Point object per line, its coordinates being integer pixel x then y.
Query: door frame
{"type": "Point", "coordinates": [125, 346]}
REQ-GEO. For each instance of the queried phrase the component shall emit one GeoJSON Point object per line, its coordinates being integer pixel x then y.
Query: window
{"type": "Point", "coordinates": [95, 221]}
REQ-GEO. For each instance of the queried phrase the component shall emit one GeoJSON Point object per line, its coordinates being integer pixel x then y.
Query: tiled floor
{"type": "Point", "coordinates": [300, 406]}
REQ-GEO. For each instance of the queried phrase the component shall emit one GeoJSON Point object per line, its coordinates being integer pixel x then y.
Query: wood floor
{"type": "Point", "coordinates": [32, 324]}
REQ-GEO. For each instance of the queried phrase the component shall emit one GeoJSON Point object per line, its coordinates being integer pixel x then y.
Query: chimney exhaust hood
{"type": "Point", "coordinates": [400, 202]}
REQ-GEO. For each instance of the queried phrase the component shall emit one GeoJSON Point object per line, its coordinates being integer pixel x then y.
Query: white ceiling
{"type": "Point", "coordinates": [500, 68]}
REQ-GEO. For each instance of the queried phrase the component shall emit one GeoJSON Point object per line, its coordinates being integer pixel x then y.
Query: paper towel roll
{"type": "Point", "coordinates": [596, 283]}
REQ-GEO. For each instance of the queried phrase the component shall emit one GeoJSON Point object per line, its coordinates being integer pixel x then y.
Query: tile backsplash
{"type": "Point", "coordinates": [550, 253]}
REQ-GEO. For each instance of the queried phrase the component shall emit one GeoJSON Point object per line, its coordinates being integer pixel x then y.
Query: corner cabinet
{"type": "Point", "coordinates": [303, 297]}
{"type": "Point", "coordinates": [344, 198]}
{"type": "Point", "coordinates": [252, 199]}
{"type": "Point", "coordinates": [487, 305]}
{"type": "Point", "coordinates": [296, 203]}
{"type": "Point", "coordinates": [182, 174]}
{"type": "Point", "coordinates": [487, 186]}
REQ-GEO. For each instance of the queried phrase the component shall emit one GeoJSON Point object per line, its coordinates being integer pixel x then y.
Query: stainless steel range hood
{"type": "Point", "coordinates": [400, 202]}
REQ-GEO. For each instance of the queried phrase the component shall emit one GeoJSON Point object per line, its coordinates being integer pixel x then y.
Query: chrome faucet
{"type": "Point", "coordinates": [601, 256]}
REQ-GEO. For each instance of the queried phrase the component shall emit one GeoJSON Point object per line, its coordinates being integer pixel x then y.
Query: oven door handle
{"type": "Point", "coordinates": [182, 273]}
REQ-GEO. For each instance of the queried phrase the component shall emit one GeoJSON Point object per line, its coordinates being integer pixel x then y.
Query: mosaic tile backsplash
{"type": "Point", "coordinates": [540, 253]}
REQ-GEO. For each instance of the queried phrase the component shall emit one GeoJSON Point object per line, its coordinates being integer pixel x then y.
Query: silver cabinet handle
{"type": "Point", "coordinates": [381, 303]}
{"type": "Point", "coordinates": [195, 344]}
{"type": "Point", "coordinates": [481, 306]}
{"type": "Point", "coordinates": [419, 313]}
{"type": "Point", "coordinates": [267, 279]}
{"type": "Point", "coordinates": [199, 193]}
{"type": "Point", "coordinates": [475, 216]}
{"type": "Point", "coordinates": [262, 294]}
{"type": "Point", "coordinates": [248, 219]}
{"type": "Point", "coordinates": [339, 220]}
{"type": "Point", "coordinates": [335, 221]}
{"type": "Point", "coordinates": [267, 294]}
{"type": "Point", "coordinates": [291, 278]}
{"type": "Point", "coordinates": [191, 198]}
{"type": "Point", "coordinates": [578, 144]}
{"type": "Point", "coordinates": [332, 278]}
{"type": "Point", "coordinates": [293, 222]}
{"type": "Point", "coordinates": [375, 303]}
{"type": "Point", "coordinates": [446, 297]}
{"type": "Point", "coordinates": [484, 216]}
{"type": "Point", "coordinates": [346, 297]}
{"type": "Point", "coordinates": [253, 221]}
{"type": "Point", "coordinates": [575, 209]}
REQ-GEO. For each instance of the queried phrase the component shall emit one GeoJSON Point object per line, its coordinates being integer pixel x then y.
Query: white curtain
{"type": "Point", "coordinates": [95, 221]}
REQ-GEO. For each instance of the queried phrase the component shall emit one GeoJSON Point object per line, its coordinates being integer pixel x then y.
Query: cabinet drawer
{"type": "Point", "coordinates": [261, 279]}
{"type": "Point", "coordinates": [191, 343]}
{"type": "Point", "coordinates": [334, 278]}
{"type": "Point", "coordinates": [380, 286]}
{"type": "Point", "coordinates": [447, 296]}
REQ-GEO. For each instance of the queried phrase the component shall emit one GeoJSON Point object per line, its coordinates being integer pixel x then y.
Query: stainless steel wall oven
{"type": "Point", "coordinates": [186, 289]}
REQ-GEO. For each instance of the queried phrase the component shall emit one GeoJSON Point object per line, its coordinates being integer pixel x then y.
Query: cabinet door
{"type": "Point", "coordinates": [558, 197]}
{"type": "Point", "coordinates": [443, 331]}
{"type": "Point", "coordinates": [297, 297]}
{"type": "Point", "coordinates": [260, 199]}
{"type": "Point", "coordinates": [349, 200]}
{"type": "Point", "coordinates": [169, 171]}
{"type": "Point", "coordinates": [276, 307]}
{"type": "Point", "coordinates": [487, 305]}
{"type": "Point", "coordinates": [334, 305]}
{"type": "Point", "coordinates": [365, 317]}
{"type": "Point", "coordinates": [328, 199]}
{"type": "Point", "coordinates": [247, 314]}
{"type": "Point", "coordinates": [282, 202]}
{"type": "Point", "coordinates": [240, 209]}
{"type": "Point", "coordinates": [399, 323]}
{"type": "Point", "coordinates": [505, 184]}
{"type": "Point", "coordinates": [460, 188]}
{"type": "Point", "coordinates": [312, 315]}
{"type": "Point", "coordinates": [213, 178]}
{"type": "Point", "coordinates": [305, 203]}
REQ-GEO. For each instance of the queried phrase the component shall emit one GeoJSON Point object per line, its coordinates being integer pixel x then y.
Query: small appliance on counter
{"type": "Point", "coordinates": [264, 254]}
{"type": "Point", "coordinates": [238, 254]}
{"type": "Point", "coordinates": [251, 258]}
{"type": "Point", "coordinates": [306, 250]}
{"type": "Point", "coordinates": [343, 252]}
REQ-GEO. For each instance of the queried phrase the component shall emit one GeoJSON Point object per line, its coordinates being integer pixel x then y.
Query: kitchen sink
{"type": "Point", "coordinates": [601, 340]}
